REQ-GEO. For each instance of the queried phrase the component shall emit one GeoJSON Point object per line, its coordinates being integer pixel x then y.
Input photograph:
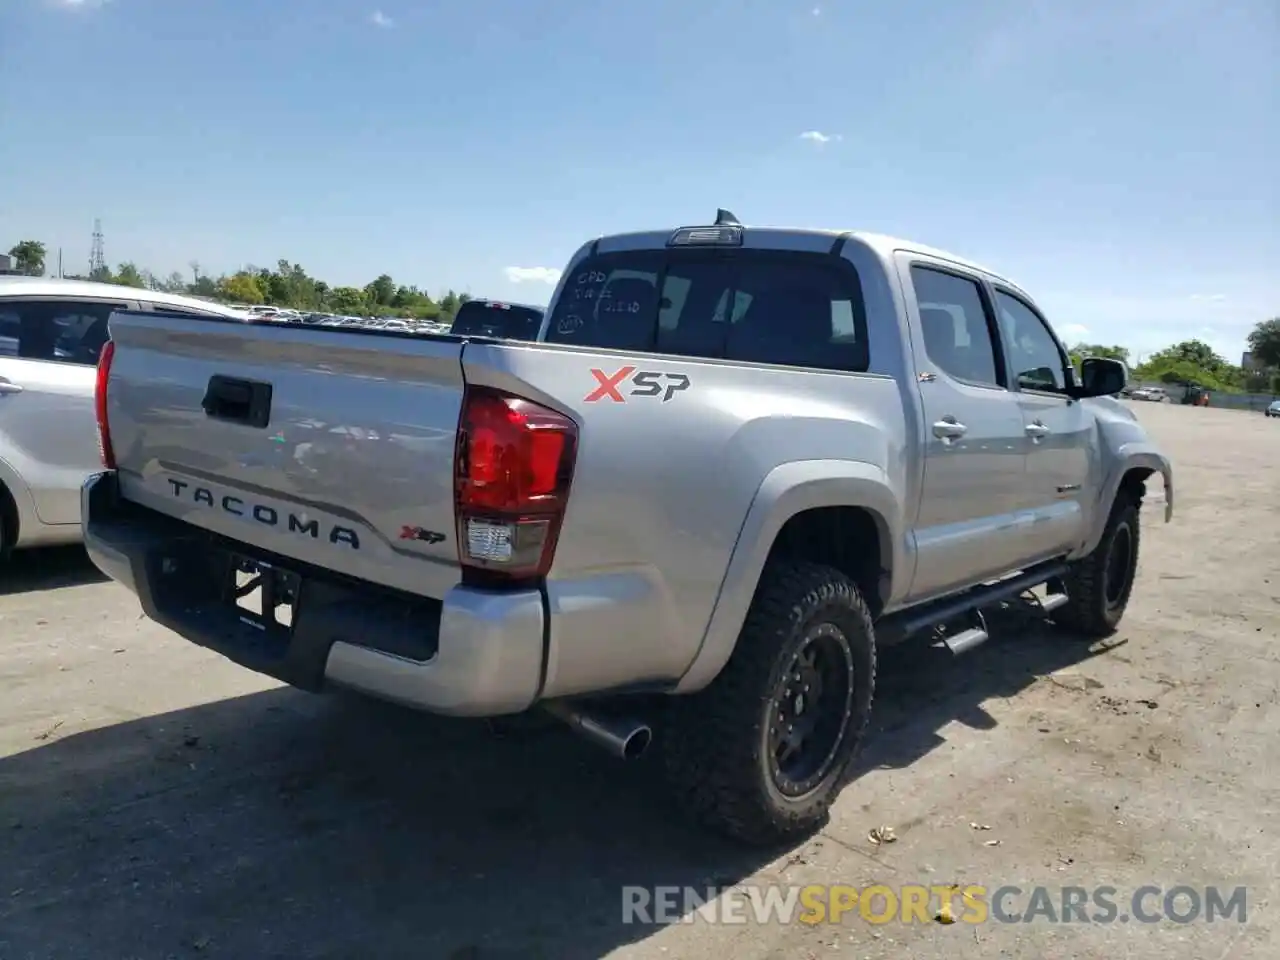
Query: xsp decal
{"type": "Point", "coordinates": [419, 533]}
{"type": "Point", "coordinates": [646, 383]}
{"type": "Point", "coordinates": [608, 385]}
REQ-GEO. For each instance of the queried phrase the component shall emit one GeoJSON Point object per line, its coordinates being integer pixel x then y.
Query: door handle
{"type": "Point", "coordinates": [949, 428]}
{"type": "Point", "coordinates": [8, 386]}
{"type": "Point", "coordinates": [1037, 431]}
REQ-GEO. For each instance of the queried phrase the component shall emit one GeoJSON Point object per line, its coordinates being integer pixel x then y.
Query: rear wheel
{"type": "Point", "coordinates": [761, 753]}
{"type": "Point", "coordinates": [1099, 585]}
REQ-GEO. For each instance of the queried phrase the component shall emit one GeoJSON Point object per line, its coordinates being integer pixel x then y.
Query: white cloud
{"type": "Point", "coordinates": [818, 137]}
{"type": "Point", "coordinates": [380, 19]}
{"type": "Point", "coordinates": [1073, 330]}
{"type": "Point", "coordinates": [79, 4]}
{"type": "Point", "coordinates": [1209, 297]}
{"type": "Point", "coordinates": [547, 275]}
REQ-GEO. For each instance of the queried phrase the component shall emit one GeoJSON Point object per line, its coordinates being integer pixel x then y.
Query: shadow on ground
{"type": "Point", "coordinates": [292, 826]}
{"type": "Point", "coordinates": [27, 571]}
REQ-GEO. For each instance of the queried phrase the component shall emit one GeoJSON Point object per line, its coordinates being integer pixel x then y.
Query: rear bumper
{"type": "Point", "coordinates": [474, 653]}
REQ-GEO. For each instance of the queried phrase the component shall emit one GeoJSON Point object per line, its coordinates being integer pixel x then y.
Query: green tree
{"type": "Point", "coordinates": [174, 283]}
{"type": "Point", "coordinates": [28, 257]}
{"type": "Point", "coordinates": [204, 287]}
{"type": "Point", "coordinates": [381, 292]}
{"type": "Point", "coordinates": [1101, 350]}
{"type": "Point", "coordinates": [287, 285]}
{"type": "Point", "coordinates": [128, 275]}
{"type": "Point", "coordinates": [449, 304]}
{"type": "Point", "coordinates": [348, 300]}
{"type": "Point", "coordinates": [1191, 361]}
{"type": "Point", "coordinates": [294, 287]}
{"type": "Point", "coordinates": [241, 287]}
{"type": "Point", "coordinates": [1264, 342]}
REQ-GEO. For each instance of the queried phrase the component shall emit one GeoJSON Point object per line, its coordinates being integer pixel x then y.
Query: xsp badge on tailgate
{"type": "Point", "coordinates": [263, 513]}
{"type": "Point", "coordinates": [646, 383]}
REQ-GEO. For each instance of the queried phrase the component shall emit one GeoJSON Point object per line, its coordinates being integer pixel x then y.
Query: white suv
{"type": "Point", "coordinates": [51, 332]}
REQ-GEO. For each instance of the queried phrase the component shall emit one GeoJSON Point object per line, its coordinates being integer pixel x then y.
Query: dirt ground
{"type": "Point", "coordinates": [156, 801]}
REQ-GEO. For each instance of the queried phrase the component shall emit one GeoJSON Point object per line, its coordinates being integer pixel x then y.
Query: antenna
{"type": "Point", "coordinates": [97, 255]}
{"type": "Point", "coordinates": [725, 218]}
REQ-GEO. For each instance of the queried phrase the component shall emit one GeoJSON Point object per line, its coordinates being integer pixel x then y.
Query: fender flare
{"type": "Point", "coordinates": [1130, 456]}
{"type": "Point", "coordinates": [787, 490]}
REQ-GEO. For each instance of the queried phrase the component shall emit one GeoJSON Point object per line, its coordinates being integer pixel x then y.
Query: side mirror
{"type": "Point", "coordinates": [1101, 377]}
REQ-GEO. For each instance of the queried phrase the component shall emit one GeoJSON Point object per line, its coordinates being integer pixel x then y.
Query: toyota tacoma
{"type": "Point", "coordinates": [735, 463]}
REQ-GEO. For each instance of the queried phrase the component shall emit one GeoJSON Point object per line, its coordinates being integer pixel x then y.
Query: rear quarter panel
{"type": "Point", "coordinates": [673, 508]}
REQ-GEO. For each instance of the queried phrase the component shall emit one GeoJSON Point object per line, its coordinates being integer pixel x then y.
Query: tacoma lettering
{"type": "Point", "coordinates": [264, 514]}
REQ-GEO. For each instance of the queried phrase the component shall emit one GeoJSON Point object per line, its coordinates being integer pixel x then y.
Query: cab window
{"type": "Point", "coordinates": [757, 306]}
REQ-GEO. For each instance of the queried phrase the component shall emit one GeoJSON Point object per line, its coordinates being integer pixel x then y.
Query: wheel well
{"type": "Point", "coordinates": [8, 519]}
{"type": "Point", "coordinates": [1134, 484]}
{"type": "Point", "coordinates": [846, 538]}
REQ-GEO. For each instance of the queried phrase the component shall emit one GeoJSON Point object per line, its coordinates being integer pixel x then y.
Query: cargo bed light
{"type": "Point", "coordinates": [718, 236]}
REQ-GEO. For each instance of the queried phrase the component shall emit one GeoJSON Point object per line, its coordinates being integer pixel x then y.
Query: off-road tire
{"type": "Point", "coordinates": [714, 748]}
{"type": "Point", "coordinates": [1094, 609]}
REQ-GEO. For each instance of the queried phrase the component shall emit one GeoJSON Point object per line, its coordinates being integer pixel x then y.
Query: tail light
{"type": "Point", "coordinates": [513, 468]}
{"type": "Point", "coordinates": [100, 404]}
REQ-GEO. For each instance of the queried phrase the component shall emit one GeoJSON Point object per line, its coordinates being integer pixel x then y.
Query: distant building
{"type": "Point", "coordinates": [6, 264]}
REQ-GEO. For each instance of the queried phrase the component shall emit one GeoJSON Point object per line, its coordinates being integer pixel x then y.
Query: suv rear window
{"type": "Point", "coordinates": [65, 331]}
{"type": "Point", "coordinates": [802, 310]}
{"type": "Point", "coordinates": [481, 318]}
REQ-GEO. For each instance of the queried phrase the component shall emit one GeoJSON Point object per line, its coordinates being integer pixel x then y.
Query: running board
{"type": "Point", "coordinates": [901, 626]}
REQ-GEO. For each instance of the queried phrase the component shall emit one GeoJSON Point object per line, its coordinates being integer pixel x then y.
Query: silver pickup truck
{"type": "Point", "coordinates": [734, 465]}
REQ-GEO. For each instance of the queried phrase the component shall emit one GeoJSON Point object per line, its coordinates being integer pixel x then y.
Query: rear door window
{"type": "Point", "coordinates": [956, 326]}
{"type": "Point", "coordinates": [756, 306]}
{"type": "Point", "coordinates": [63, 331]}
{"type": "Point", "coordinates": [10, 330]}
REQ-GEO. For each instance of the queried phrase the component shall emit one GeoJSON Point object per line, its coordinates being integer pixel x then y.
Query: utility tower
{"type": "Point", "coordinates": [97, 255]}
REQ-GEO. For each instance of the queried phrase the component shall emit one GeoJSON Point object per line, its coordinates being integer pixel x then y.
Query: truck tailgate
{"type": "Point", "coordinates": [333, 448]}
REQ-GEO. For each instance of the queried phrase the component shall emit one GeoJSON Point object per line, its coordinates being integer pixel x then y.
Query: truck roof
{"type": "Point", "coordinates": [882, 244]}
{"type": "Point", "coordinates": [61, 287]}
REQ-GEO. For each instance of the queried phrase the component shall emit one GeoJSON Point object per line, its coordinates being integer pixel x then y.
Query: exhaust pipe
{"type": "Point", "coordinates": [625, 739]}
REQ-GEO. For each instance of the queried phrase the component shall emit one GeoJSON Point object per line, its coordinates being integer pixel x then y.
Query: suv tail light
{"type": "Point", "coordinates": [513, 468]}
{"type": "Point", "coordinates": [100, 404]}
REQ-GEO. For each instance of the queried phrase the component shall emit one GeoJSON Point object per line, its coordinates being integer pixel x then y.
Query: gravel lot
{"type": "Point", "coordinates": [158, 802]}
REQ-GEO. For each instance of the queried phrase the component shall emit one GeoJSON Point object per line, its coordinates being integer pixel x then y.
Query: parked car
{"type": "Point", "coordinates": [1273, 410]}
{"type": "Point", "coordinates": [51, 334]}
{"type": "Point", "coordinates": [493, 318]}
{"type": "Point", "coordinates": [1153, 394]}
{"type": "Point", "coordinates": [738, 463]}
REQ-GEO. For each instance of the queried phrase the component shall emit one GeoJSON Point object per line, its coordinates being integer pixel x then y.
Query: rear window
{"type": "Point", "coordinates": [479, 318]}
{"type": "Point", "coordinates": [760, 306]}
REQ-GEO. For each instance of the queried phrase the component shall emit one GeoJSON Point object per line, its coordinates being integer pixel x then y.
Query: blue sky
{"type": "Point", "coordinates": [1119, 158]}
